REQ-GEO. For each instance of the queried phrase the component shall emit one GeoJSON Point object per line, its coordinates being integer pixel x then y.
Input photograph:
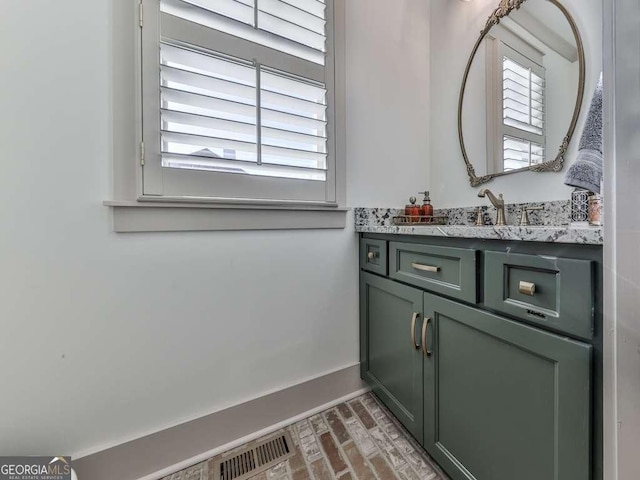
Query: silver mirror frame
{"type": "Point", "coordinates": [505, 7]}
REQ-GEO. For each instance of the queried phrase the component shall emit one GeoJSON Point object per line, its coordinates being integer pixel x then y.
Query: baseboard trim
{"type": "Point", "coordinates": [166, 452]}
{"type": "Point", "coordinates": [219, 408]}
{"type": "Point", "coordinates": [241, 441]}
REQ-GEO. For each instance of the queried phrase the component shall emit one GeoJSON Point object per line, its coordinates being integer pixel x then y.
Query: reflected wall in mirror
{"type": "Point", "coordinates": [522, 91]}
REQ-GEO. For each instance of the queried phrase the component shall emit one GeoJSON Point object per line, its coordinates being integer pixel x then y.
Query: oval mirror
{"type": "Point", "coordinates": [522, 91]}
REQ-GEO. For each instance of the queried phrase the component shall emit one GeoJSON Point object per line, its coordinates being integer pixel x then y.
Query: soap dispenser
{"type": "Point", "coordinates": [427, 209]}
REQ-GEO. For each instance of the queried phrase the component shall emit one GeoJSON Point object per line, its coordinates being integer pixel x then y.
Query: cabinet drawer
{"type": "Point", "coordinates": [554, 292]}
{"type": "Point", "coordinates": [445, 270]}
{"type": "Point", "coordinates": [373, 255]}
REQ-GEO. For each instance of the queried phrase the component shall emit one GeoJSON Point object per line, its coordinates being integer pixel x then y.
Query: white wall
{"type": "Point", "coordinates": [106, 336]}
{"type": "Point", "coordinates": [109, 336]}
{"type": "Point", "coordinates": [387, 101]}
{"type": "Point", "coordinates": [454, 28]}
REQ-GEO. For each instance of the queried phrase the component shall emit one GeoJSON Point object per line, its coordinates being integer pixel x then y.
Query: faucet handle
{"type": "Point", "coordinates": [524, 219]}
{"type": "Point", "coordinates": [479, 217]}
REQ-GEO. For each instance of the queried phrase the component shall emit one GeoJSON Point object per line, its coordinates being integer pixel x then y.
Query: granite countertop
{"type": "Point", "coordinates": [548, 234]}
{"type": "Point", "coordinates": [552, 226]}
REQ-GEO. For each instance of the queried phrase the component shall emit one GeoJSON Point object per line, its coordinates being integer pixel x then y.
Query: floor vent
{"type": "Point", "coordinates": [254, 459]}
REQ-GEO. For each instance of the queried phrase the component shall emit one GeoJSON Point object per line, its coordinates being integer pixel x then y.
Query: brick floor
{"type": "Point", "coordinates": [357, 440]}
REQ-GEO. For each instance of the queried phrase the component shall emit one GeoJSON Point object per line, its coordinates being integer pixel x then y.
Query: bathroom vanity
{"type": "Point", "coordinates": [488, 351]}
{"type": "Point", "coordinates": [486, 341]}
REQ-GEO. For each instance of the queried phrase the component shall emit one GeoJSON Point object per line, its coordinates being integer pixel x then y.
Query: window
{"type": "Point", "coordinates": [522, 113]}
{"type": "Point", "coordinates": [515, 103]}
{"type": "Point", "coordinates": [238, 100]}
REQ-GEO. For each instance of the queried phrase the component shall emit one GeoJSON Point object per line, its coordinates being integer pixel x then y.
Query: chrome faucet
{"type": "Point", "coordinates": [497, 202]}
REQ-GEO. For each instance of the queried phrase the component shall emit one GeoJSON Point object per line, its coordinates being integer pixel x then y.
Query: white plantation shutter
{"type": "Point", "coordinates": [519, 153]}
{"type": "Point", "coordinates": [300, 21]}
{"type": "Point", "coordinates": [523, 97]}
{"type": "Point", "coordinates": [522, 129]}
{"type": "Point", "coordinates": [292, 26]}
{"type": "Point", "coordinates": [237, 99]}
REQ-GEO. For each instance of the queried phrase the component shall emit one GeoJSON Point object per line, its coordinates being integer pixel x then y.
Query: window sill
{"type": "Point", "coordinates": [135, 216]}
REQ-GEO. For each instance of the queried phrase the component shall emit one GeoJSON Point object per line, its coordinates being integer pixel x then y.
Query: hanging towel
{"type": "Point", "coordinates": [586, 171]}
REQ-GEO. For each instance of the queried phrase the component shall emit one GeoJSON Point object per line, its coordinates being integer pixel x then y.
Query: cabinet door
{"type": "Point", "coordinates": [503, 400]}
{"type": "Point", "coordinates": [390, 358]}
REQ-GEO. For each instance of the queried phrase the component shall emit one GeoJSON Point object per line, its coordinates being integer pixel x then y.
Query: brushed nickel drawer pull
{"type": "Point", "coordinates": [425, 268]}
{"type": "Point", "coordinates": [371, 255]}
{"type": "Point", "coordinates": [425, 326]}
{"type": "Point", "coordinates": [413, 330]}
{"type": "Point", "coordinates": [527, 288]}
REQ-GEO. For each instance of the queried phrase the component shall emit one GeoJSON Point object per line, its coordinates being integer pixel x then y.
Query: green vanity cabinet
{"type": "Point", "coordinates": [488, 352]}
{"type": "Point", "coordinates": [390, 359]}
{"type": "Point", "coordinates": [503, 400]}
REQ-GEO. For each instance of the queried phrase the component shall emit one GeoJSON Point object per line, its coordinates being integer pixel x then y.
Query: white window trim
{"type": "Point", "coordinates": [135, 212]}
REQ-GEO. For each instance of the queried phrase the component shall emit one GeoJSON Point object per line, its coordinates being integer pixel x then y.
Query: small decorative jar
{"type": "Point", "coordinates": [595, 210]}
{"type": "Point", "coordinates": [580, 206]}
{"type": "Point", "coordinates": [412, 211]}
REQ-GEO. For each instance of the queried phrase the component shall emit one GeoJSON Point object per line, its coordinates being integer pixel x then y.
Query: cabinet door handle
{"type": "Point", "coordinates": [527, 288]}
{"type": "Point", "coordinates": [425, 326]}
{"type": "Point", "coordinates": [413, 330]}
{"type": "Point", "coordinates": [425, 268]}
{"type": "Point", "coordinates": [371, 255]}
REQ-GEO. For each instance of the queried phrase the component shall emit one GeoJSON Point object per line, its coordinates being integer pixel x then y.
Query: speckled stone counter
{"type": "Point", "coordinates": [379, 220]}
{"type": "Point", "coordinates": [580, 235]}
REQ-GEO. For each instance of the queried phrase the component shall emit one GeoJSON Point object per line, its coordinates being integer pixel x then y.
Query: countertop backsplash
{"type": "Point", "coordinates": [554, 214]}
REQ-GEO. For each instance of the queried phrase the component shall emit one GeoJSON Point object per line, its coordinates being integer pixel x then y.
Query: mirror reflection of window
{"type": "Point", "coordinates": [523, 93]}
{"type": "Point", "coordinates": [515, 102]}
